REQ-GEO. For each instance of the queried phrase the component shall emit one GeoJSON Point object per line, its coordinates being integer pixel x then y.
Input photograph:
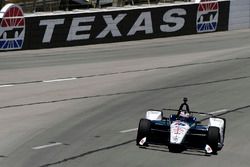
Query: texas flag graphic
{"type": "Point", "coordinates": [12, 27]}
{"type": "Point", "coordinates": [207, 16]}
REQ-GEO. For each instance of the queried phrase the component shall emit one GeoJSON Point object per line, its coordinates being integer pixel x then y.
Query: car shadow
{"type": "Point", "coordinates": [191, 152]}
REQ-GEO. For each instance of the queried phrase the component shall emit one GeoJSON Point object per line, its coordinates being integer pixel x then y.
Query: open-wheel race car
{"type": "Point", "coordinates": [181, 132]}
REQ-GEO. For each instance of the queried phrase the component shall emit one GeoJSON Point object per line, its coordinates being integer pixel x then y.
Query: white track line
{"type": "Point", "coordinates": [60, 80]}
{"type": "Point", "coordinates": [4, 86]}
{"type": "Point", "coordinates": [215, 112]}
{"type": "Point", "coordinates": [218, 111]}
{"type": "Point", "coordinates": [129, 130]}
{"type": "Point", "coordinates": [46, 146]}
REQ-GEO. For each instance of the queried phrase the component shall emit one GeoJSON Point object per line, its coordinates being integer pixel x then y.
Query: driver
{"type": "Point", "coordinates": [184, 107]}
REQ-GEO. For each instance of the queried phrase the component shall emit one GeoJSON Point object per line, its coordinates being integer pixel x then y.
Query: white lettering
{"type": "Point", "coordinates": [111, 26]}
{"type": "Point", "coordinates": [146, 18]}
{"type": "Point", "coordinates": [75, 28]}
{"type": "Point", "coordinates": [169, 18]}
{"type": "Point", "coordinates": [50, 26]}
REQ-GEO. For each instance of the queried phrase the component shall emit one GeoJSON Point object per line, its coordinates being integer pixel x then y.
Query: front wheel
{"type": "Point", "coordinates": [143, 130]}
{"type": "Point", "coordinates": [213, 138]}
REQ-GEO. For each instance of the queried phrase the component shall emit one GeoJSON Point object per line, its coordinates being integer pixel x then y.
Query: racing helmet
{"type": "Point", "coordinates": [185, 99]}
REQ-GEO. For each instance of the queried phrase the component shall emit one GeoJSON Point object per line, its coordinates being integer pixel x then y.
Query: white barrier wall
{"type": "Point", "coordinates": [239, 16]}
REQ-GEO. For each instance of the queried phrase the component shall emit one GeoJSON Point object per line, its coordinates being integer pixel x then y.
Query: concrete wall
{"type": "Point", "coordinates": [239, 16]}
{"type": "Point", "coordinates": [85, 27]}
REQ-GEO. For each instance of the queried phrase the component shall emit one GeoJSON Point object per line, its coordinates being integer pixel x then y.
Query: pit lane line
{"type": "Point", "coordinates": [59, 80]}
{"type": "Point", "coordinates": [4, 86]}
{"type": "Point", "coordinates": [44, 81]}
{"type": "Point", "coordinates": [219, 111]}
{"type": "Point", "coordinates": [47, 146]}
{"type": "Point", "coordinates": [129, 130]}
{"type": "Point", "coordinates": [213, 112]}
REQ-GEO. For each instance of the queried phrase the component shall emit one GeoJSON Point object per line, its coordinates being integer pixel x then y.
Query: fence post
{"type": "Point", "coordinates": [1, 4]}
{"type": "Point", "coordinates": [34, 6]}
{"type": "Point", "coordinates": [118, 3]}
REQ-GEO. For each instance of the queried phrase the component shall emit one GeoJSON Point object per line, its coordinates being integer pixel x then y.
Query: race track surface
{"type": "Point", "coordinates": [79, 106]}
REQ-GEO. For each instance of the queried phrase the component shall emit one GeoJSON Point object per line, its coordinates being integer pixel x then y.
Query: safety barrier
{"type": "Point", "coordinates": [113, 25]}
{"type": "Point", "coordinates": [239, 14]}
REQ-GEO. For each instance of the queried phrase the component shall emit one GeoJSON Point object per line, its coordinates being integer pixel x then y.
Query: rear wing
{"type": "Point", "coordinates": [193, 112]}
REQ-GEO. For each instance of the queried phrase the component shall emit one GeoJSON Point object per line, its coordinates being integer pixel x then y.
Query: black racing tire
{"type": "Point", "coordinates": [144, 130]}
{"type": "Point", "coordinates": [213, 138]}
{"type": "Point", "coordinates": [223, 133]}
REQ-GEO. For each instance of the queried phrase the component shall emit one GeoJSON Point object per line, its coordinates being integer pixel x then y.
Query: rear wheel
{"type": "Point", "coordinates": [143, 130]}
{"type": "Point", "coordinates": [213, 138]}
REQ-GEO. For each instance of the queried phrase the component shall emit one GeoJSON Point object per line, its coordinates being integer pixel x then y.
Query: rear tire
{"type": "Point", "coordinates": [143, 130]}
{"type": "Point", "coordinates": [213, 138]}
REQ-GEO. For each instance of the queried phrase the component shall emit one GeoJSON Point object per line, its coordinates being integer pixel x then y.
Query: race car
{"type": "Point", "coordinates": [181, 132]}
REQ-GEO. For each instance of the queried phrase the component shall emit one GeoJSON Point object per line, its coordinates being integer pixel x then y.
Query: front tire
{"type": "Point", "coordinates": [213, 138]}
{"type": "Point", "coordinates": [143, 130]}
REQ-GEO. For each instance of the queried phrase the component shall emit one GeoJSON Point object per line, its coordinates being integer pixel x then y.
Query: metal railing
{"type": "Point", "coordinates": [53, 5]}
{"type": "Point", "coordinates": [36, 5]}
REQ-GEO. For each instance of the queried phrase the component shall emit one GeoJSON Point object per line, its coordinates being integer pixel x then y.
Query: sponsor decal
{"type": "Point", "coordinates": [208, 149]}
{"type": "Point", "coordinates": [12, 27]}
{"type": "Point", "coordinates": [207, 16]}
{"type": "Point", "coordinates": [81, 28]}
{"type": "Point", "coordinates": [143, 141]}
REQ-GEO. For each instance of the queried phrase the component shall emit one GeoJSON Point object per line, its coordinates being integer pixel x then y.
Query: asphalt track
{"type": "Point", "coordinates": [67, 107]}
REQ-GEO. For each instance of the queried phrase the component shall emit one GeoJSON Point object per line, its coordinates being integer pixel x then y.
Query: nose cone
{"type": "Point", "coordinates": [178, 131]}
